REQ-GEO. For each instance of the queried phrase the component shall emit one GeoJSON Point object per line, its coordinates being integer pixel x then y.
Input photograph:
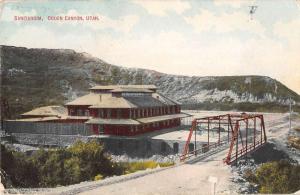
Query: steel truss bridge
{"type": "Point", "coordinates": [240, 133]}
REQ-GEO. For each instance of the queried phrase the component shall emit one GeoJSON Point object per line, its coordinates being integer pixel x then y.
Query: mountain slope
{"type": "Point", "coordinates": [36, 77]}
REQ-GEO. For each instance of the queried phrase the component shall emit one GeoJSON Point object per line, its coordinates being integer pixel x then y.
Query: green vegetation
{"type": "Point", "coordinates": [137, 166]}
{"type": "Point", "coordinates": [49, 168]}
{"type": "Point", "coordinates": [276, 177]}
{"type": "Point", "coordinates": [80, 162]}
{"type": "Point", "coordinates": [98, 177]}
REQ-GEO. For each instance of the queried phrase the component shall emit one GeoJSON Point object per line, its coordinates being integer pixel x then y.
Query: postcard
{"type": "Point", "coordinates": [150, 97]}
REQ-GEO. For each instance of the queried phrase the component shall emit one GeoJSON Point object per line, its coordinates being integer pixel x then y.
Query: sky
{"type": "Point", "coordinates": [196, 38]}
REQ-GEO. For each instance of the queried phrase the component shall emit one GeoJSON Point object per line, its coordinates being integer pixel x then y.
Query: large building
{"type": "Point", "coordinates": [125, 110]}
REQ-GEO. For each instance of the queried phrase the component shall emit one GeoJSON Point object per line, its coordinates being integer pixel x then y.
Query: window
{"type": "Point", "coordinates": [87, 112]}
{"type": "Point", "coordinates": [120, 145]}
{"type": "Point", "coordinates": [148, 146]}
{"type": "Point", "coordinates": [134, 94]}
{"type": "Point", "coordinates": [163, 147]}
{"type": "Point", "coordinates": [136, 144]}
{"type": "Point", "coordinates": [72, 112]}
{"type": "Point", "coordinates": [204, 148]}
{"type": "Point", "coordinates": [101, 113]}
{"type": "Point", "coordinates": [101, 129]}
{"type": "Point", "coordinates": [108, 113]}
{"type": "Point", "coordinates": [79, 112]}
{"type": "Point", "coordinates": [119, 113]}
{"type": "Point", "coordinates": [175, 147]}
{"type": "Point", "coordinates": [191, 147]}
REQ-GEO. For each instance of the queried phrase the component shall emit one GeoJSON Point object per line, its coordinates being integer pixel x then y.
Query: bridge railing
{"type": "Point", "coordinates": [243, 151]}
{"type": "Point", "coordinates": [203, 149]}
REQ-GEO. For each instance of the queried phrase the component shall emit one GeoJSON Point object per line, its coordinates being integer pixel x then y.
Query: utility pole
{"type": "Point", "coordinates": [290, 117]}
{"type": "Point", "coordinates": [195, 141]}
{"type": "Point", "coordinates": [252, 11]}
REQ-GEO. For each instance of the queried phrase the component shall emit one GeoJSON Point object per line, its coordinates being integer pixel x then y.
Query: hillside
{"type": "Point", "coordinates": [36, 77]}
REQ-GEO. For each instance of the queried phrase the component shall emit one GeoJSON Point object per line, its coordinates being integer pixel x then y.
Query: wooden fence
{"type": "Point", "coordinates": [46, 128]}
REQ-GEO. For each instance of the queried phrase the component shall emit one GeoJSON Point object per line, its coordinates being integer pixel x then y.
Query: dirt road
{"type": "Point", "coordinates": [184, 179]}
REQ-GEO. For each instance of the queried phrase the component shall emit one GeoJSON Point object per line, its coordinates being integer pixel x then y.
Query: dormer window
{"type": "Point", "coordinates": [87, 112]}
{"type": "Point", "coordinates": [72, 111]}
{"type": "Point", "coordinates": [134, 94]}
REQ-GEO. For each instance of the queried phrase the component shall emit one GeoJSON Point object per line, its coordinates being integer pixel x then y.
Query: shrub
{"type": "Point", "coordinates": [80, 162]}
{"type": "Point", "coordinates": [137, 166]}
{"type": "Point", "coordinates": [20, 171]}
{"type": "Point", "coordinates": [166, 164]}
{"type": "Point", "coordinates": [98, 177]}
{"type": "Point", "coordinates": [93, 160]}
{"type": "Point", "coordinates": [72, 172]}
{"type": "Point", "coordinates": [277, 177]}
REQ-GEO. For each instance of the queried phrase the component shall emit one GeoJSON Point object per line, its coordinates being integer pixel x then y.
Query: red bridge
{"type": "Point", "coordinates": [242, 133]}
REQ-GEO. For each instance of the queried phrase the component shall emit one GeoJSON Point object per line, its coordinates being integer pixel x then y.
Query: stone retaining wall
{"type": "Point", "coordinates": [135, 147]}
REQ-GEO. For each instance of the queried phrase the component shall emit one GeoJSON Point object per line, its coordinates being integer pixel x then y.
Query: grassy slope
{"type": "Point", "coordinates": [49, 74]}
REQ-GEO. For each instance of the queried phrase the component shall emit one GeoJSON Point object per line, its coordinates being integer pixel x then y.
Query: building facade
{"type": "Point", "coordinates": [125, 110]}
